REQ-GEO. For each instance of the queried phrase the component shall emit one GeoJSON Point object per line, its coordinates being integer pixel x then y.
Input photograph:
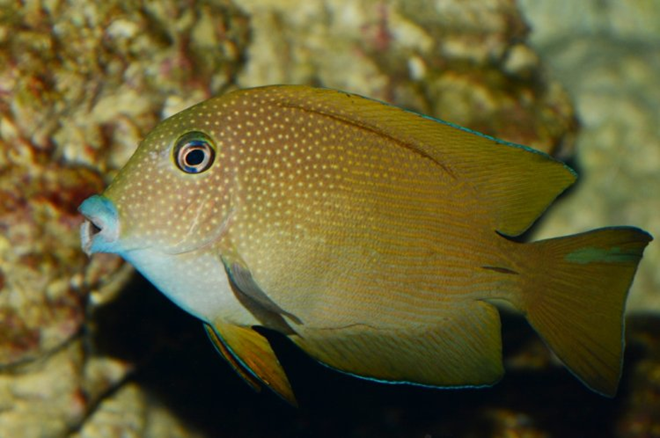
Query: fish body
{"type": "Point", "coordinates": [374, 238]}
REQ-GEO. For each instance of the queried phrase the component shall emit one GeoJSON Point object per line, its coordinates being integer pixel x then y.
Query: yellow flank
{"type": "Point", "coordinates": [373, 237]}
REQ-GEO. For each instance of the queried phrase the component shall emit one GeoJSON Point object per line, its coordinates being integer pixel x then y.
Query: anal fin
{"type": "Point", "coordinates": [462, 349]}
{"type": "Point", "coordinates": [251, 356]}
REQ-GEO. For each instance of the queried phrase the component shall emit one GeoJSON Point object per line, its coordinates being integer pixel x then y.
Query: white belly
{"type": "Point", "coordinates": [196, 281]}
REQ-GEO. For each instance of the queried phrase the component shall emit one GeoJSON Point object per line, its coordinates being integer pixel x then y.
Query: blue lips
{"type": "Point", "coordinates": [100, 231]}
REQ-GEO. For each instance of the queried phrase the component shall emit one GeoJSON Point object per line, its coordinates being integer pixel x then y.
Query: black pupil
{"type": "Point", "coordinates": [195, 157]}
{"type": "Point", "coordinates": [193, 152]}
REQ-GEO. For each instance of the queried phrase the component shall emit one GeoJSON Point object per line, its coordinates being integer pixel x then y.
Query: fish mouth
{"type": "Point", "coordinates": [100, 230]}
{"type": "Point", "coordinates": [88, 230]}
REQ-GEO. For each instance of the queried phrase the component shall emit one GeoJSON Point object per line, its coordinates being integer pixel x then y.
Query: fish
{"type": "Point", "coordinates": [376, 239]}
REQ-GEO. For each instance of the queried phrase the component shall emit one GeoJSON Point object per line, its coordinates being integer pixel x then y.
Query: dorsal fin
{"type": "Point", "coordinates": [516, 183]}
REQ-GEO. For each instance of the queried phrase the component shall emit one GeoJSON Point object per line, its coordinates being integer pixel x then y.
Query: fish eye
{"type": "Point", "coordinates": [194, 152]}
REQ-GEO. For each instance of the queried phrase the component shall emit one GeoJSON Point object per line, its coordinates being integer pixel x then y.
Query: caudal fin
{"type": "Point", "coordinates": [575, 296]}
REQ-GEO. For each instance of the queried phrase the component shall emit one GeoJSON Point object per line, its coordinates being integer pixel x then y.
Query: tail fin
{"type": "Point", "coordinates": [575, 297]}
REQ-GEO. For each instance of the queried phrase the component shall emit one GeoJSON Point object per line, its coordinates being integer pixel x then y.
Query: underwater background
{"type": "Point", "coordinates": [90, 349]}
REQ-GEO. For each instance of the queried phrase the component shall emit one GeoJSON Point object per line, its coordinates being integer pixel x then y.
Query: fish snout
{"type": "Point", "coordinates": [100, 231]}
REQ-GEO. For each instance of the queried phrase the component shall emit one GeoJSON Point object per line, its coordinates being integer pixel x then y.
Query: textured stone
{"type": "Point", "coordinates": [83, 81]}
{"type": "Point", "coordinates": [43, 288]}
{"type": "Point", "coordinates": [564, 19]}
{"type": "Point", "coordinates": [131, 413]}
{"type": "Point", "coordinates": [50, 396]}
{"type": "Point", "coordinates": [80, 84]}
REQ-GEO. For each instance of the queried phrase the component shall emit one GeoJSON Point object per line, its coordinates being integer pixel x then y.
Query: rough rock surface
{"type": "Point", "coordinates": [80, 84]}
{"type": "Point", "coordinates": [131, 413]}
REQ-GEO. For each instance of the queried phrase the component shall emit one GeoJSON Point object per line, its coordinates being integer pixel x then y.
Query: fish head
{"type": "Point", "coordinates": [170, 197]}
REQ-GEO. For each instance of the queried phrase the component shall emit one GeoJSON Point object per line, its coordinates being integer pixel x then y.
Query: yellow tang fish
{"type": "Point", "coordinates": [374, 238]}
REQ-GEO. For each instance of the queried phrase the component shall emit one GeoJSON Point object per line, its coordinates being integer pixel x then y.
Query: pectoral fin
{"type": "Point", "coordinates": [251, 356]}
{"type": "Point", "coordinates": [256, 301]}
